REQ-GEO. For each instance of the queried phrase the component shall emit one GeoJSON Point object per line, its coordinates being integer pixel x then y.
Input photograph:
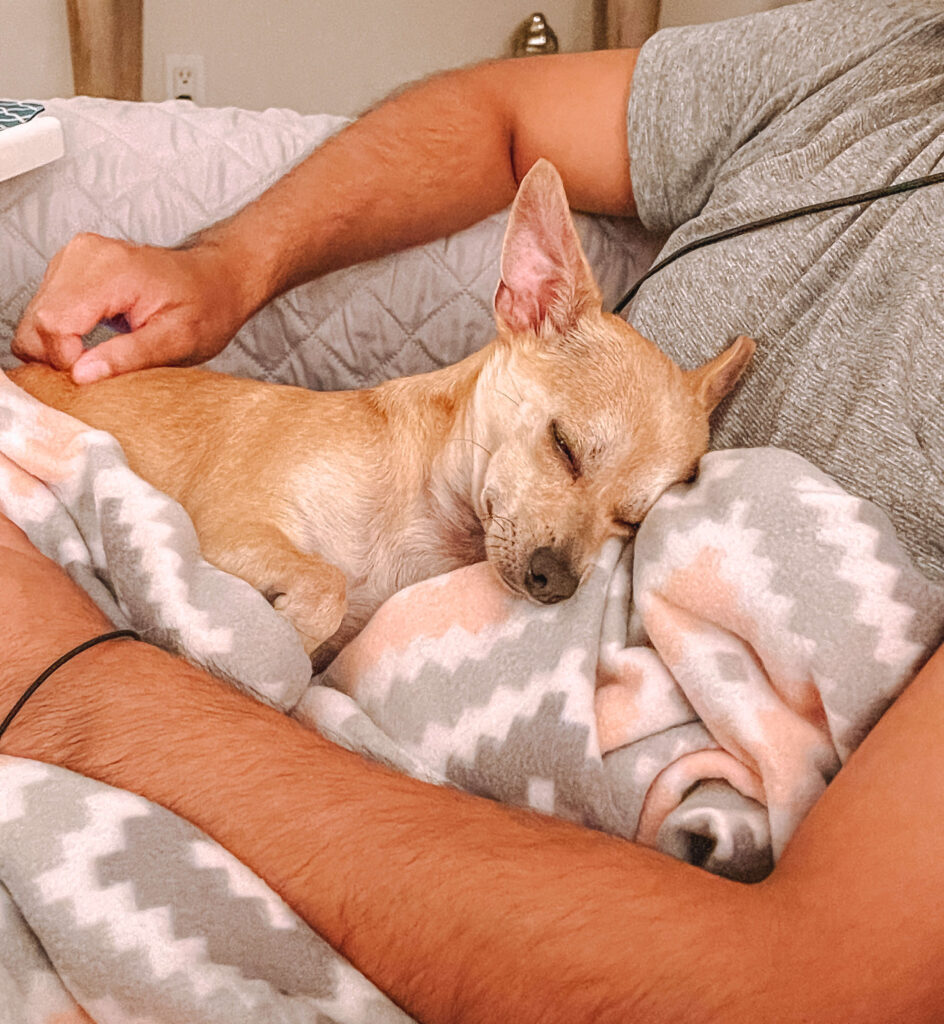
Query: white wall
{"type": "Point", "coordinates": [326, 56]}
{"type": "Point", "coordinates": [689, 12]}
{"type": "Point", "coordinates": [313, 55]}
{"type": "Point", "coordinates": [34, 49]}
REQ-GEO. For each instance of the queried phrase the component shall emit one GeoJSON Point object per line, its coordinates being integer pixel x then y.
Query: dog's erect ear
{"type": "Point", "coordinates": [546, 282]}
{"type": "Point", "coordinates": [711, 382]}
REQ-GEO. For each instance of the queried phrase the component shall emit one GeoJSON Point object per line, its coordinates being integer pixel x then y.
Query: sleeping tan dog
{"type": "Point", "coordinates": [559, 434]}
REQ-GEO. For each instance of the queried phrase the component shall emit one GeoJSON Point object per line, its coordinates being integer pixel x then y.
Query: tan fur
{"type": "Point", "coordinates": [330, 502]}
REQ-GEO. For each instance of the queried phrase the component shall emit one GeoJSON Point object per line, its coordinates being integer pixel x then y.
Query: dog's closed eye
{"type": "Point", "coordinates": [564, 448]}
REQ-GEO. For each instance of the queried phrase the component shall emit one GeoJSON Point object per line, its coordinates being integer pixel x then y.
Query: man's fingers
{"type": "Point", "coordinates": [59, 350]}
{"type": "Point", "coordinates": [52, 328]}
{"type": "Point", "coordinates": [35, 341]}
{"type": "Point", "coordinates": [184, 304]}
{"type": "Point", "coordinates": [148, 346]}
{"type": "Point", "coordinates": [82, 284]}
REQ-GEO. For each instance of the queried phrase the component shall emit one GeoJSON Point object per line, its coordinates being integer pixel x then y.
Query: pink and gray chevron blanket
{"type": "Point", "coordinates": [697, 694]}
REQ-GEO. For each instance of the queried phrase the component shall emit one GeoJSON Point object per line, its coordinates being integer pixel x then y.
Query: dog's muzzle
{"type": "Point", "coordinates": [550, 577]}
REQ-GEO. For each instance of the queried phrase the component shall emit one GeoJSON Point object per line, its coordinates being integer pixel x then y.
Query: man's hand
{"type": "Point", "coordinates": [183, 306]}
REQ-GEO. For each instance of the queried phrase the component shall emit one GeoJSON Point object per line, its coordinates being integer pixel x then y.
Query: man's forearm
{"type": "Point", "coordinates": [464, 910]}
{"type": "Point", "coordinates": [434, 159]}
{"type": "Point", "coordinates": [459, 908]}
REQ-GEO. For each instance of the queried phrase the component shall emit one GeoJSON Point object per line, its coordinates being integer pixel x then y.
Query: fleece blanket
{"type": "Point", "coordinates": [697, 694]}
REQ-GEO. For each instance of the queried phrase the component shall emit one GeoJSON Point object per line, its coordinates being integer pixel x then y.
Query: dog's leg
{"type": "Point", "coordinates": [307, 590]}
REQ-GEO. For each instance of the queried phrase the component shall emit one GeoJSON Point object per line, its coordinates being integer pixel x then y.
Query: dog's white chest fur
{"type": "Point", "coordinates": [417, 528]}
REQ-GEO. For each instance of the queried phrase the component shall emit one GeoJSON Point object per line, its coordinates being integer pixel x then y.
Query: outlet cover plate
{"type": "Point", "coordinates": [185, 77]}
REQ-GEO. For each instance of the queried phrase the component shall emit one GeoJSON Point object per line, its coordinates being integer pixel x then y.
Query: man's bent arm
{"type": "Point", "coordinates": [438, 157]}
{"type": "Point", "coordinates": [433, 159]}
{"type": "Point", "coordinates": [466, 910]}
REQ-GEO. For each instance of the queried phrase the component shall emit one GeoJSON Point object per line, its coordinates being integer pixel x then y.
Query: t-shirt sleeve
{"type": "Point", "coordinates": [703, 93]}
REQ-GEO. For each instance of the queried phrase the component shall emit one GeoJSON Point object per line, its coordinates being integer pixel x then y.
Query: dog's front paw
{"type": "Point", "coordinates": [314, 603]}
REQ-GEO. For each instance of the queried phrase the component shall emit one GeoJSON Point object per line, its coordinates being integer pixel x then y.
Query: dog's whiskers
{"type": "Point", "coordinates": [501, 520]}
{"type": "Point", "coordinates": [470, 440]}
{"type": "Point", "coordinates": [517, 387]}
{"type": "Point", "coordinates": [498, 391]}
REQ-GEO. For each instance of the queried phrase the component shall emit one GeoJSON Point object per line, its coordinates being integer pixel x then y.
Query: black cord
{"type": "Point", "coordinates": [43, 676]}
{"type": "Point", "coordinates": [778, 218]}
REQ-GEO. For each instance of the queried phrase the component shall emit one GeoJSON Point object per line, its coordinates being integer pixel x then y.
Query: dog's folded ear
{"type": "Point", "coordinates": [711, 382]}
{"type": "Point", "coordinates": [546, 282]}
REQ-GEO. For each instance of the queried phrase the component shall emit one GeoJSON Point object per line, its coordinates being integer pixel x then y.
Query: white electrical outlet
{"type": "Point", "coordinates": [185, 77]}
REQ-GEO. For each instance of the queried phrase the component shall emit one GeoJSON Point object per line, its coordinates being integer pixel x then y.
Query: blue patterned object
{"type": "Point", "coordinates": [16, 112]}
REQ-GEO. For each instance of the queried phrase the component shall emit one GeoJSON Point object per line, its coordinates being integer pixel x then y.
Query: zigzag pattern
{"type": "Point", "coordinates": [874, 578]}
{"type": "Point", "coordinates": [725, 683]}
{"type": "Point", "coordinates": [143, 919]}
{"type": "Point", "coordinates": [755, 665]}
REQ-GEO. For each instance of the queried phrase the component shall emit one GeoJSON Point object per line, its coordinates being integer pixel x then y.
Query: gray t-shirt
{"type": "Point", "coordinates": [734, 121]}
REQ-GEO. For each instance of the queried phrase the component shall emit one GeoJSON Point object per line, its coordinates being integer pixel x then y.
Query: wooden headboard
{"type": "Point", "coordinates": [625, 22]}
{"type": "Point", "coordinates": [105, 40]}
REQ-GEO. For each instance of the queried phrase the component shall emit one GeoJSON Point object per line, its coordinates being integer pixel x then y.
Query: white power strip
{"type": "Point", "coordinates": [29, 145]}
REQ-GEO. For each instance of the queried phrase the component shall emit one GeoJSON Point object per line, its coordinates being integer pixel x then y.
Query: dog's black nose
{"type": "Point", "coordinates": [550, 577]}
